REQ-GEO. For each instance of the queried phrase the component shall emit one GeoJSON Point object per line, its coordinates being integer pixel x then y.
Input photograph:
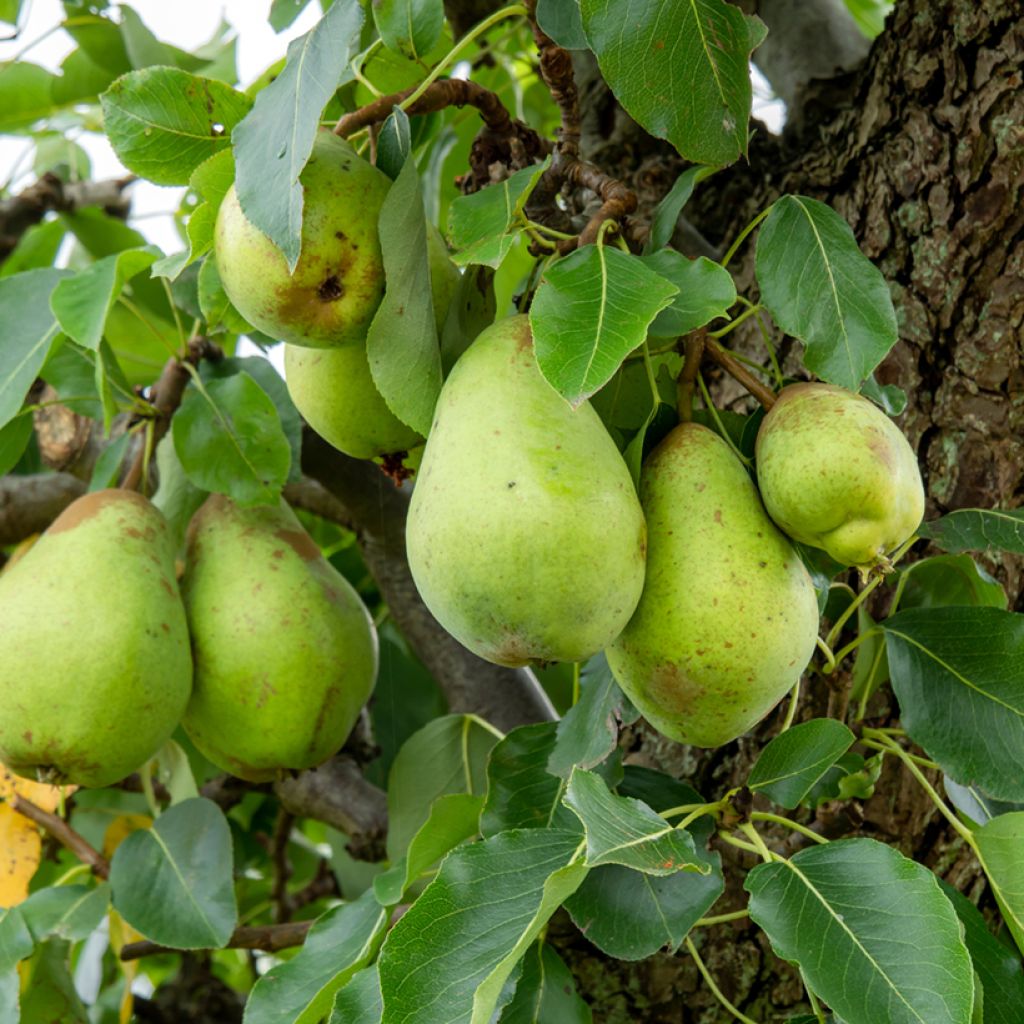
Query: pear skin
{"type": "Point", "coordinates": [836, 473]}
{"type": "Point", "coordinates": [525, 536]}
{"type": "Point", "coordinates": [285, 652]}
{"type": "Point", "coordinates": [728, 617]}
{"type": "Point", "coordinates": [95, 667]}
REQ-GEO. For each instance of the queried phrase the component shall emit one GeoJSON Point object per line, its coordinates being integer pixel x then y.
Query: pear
{"type": "Point", "coordinates": [728, 617]}
{"type": "Point", "coordinates": [285, 652]}
{"type": "Point", "coordinates": [525, 536]}
{"type": "Point", "coordinates": [836, 473]}
{"type": "Point", "coordinates": [95, 668]}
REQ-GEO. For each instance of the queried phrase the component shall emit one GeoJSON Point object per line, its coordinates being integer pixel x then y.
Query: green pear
{"type": "Point", "coordinates": [95, 668]}
{"type": "Point", "coordinates": [836, 473]}
{"type": "Point", "coordinates": [728, 618]}
{"type": "Point", "coordinates": [338, 281]}
{"type": "Point", "coordinates": [525, 536]}
{"type": "Point", "coordinates": [285, 652]}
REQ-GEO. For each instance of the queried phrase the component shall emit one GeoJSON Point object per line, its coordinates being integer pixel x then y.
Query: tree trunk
{"type": "Point", "coordinates": [924, 156]}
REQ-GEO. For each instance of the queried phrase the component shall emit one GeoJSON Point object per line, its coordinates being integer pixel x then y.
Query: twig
{"type": "Point", "coordinates": [268, 937]}
{"type": "Point", "coordinates": [694, 348]}
{"type": "Point", "coordinates": [282, 865]}
{"type": "Point", "coordinates": [63, 833]}
{"type": "Point", "coordinates": [739, 372]}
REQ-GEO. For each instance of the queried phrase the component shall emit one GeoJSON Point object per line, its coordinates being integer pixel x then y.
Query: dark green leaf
{"type": "Point", "coordinates": [959, 676]}
{"type": "Point", "coordinates": [947, 580]}
{"type": "Point", "coordinates": [229, 439]}
{"type": "Point", "coordinates": [172, 882]}
{"type": "Point", "coordinates": [218, 312]}
{"type": "Point", "coordinates": [1001, 851]}
{"type": "Point", "coordinates": [273, 142]}
{"type": "Point", "coordinates": [546, 992]}
{"type": "Point", "coordinates": [359, 1002]}
{"type": "Point", "coordinates": [143, 48]}
{"type": "Point", "coordinates": [402, 345]}
{"type": "Point", "coordinates": [66, 911]}
{"type": "Point", "coordinates": [561, 20]}
{"type": "Point", "coordinates": [107, 470]}
{"type": "Point", "coordinates": [793, 762]}
{"type": "Point", "coordinates": [14, 439]}
{"type": "Point", "coordinates": [975, 529]}
{"type": "Point", "coordinates": [591, 310]}
{"type": "Point", "coordinates": [409, 27]}
{"type": "Point", "coordinates": [36, 248]}
{"type": "Point", "coordinates": [49, 996]}
{"type": "Point", "coordinates": [302, 990]}
{"type": "Point", "coordinates": [26, 95]}
{"type": "Point", "coordinates": [164, 122]}
{"type": "Point", "coordinates": [666, 214]}
{"type": "Point", "coordinates": [870, 930]}
{"type": "Point", "coordinates": [16, 940]}
{"type": "Point", "coordinates": [706, 291]}
{"type": "Point", "coordinates": [472, 308]}
{"type": "Point", "coordinates": [394, 144]}
{"type": "Point", "coordinates": [976, 805]}
{"type": "Point", "coordinates": [680, 70]}
{"type": "Point", "coordinates": [822, 289]}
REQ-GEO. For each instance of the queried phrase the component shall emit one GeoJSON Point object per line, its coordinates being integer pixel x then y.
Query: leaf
{"type": "Point", "coordinates": [66, 911]}
{"type": "Point", "coordinates": [998, 968]}
{"type": "Point", "coordinates": [173, 883]}
{"type": "Point", "coordinates": [588, 731]}
{"type": "Point", "coordinates": [302, 990]}
{"type": "Point", "coordinates": [822, 289]}
{"type": "Point", "coordinates": [10, 10]}
{"type": "Point", "coordinates": [591, 310]}
{"type": "Point", "coordinates": [873, 935]}
{"type": "Point", "coordinates": [666, 214]}
{"type": "Point", "coordinates": [448, 755]}
{"type": "Point", "coordinates": [947, 580]}
{"type": "Point", "coordinates": [273, 142]}
{"type": "Point", "coordinates": [14, 439]}
{"type": "Point", "coordinates": [623, 830]}
{"type": "Point", "coordinates": [228, 437]}
{"type": "Point", "coordinates": [81, 303]}
{"type": "Point", "coordinates": [479, 224]}
{"type": "Point", "coordinates": [974, 805]}
{"type": "Point", "coordinates": [164, 122]}
{"type": "Point", "coordinates": [448, 957]}
{"type": "Point", "coordinates": [402, 346]}
{"type": "Point", "coordinates": [409, 27]}
{"type": "Point", "coordinates": [218, 312]}
{"type": "Point", "coordinates": [976, 529]}
{"type": "Point", "coordinates": [793, 762]}
{"type": "Point", "coordinates": [26, 95]}
{"type": "Point", "coordinates": [706, 291]}
{"type": "Point", "coordinates": [958, 674]}
{"type": "Point", "coordinates": [1001, 851]}
{"type": "Point", "coordinates": [546, 992]}
{"type": "Point", "coordinates": [81, 79]}
{"type": "Point", "coordinates": [29, 331]}
{"type": "Point", "coordinates": [630, 915]}
{"type": "Point", "coordinates": [562, 21]}
{"type": "Point", "coordinates": [48, 992]}
{"type": "Point", "coordinates": [394, 143]}
{"type": "Point", "coordinates": [521, 791]}
{"type": "Point", "coordinates": [284, 12]}
{"type": "Point", "coordinates": [454, 817]}
{"type": "Point", "coordinates": [681, 70]}
{"type": "Point", "coordinates": [359, 1002]}
{"type": "Point", "coordinates": [891, 398]}
{"type": "Point", "coordinates": [37, 247]}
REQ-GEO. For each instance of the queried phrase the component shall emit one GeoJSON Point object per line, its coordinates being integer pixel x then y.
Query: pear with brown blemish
{"type": "Point", "coordinates": [728, 617]}
{"type": "Point", "coordinates": [836, 473]}
{"type": "Point", "coordinates": [95, 668]}
{"type": "Point", "coordinates": [285, 652]}
{"type": "Point", "coordinates": [525, 535]}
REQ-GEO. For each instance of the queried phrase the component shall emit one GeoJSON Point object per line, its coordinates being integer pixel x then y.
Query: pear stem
{"type": "Point", "coordinates": [63, 833]}
{"type": "Point", "coordinates": [732, 366]}
{"type": "Point", "coordinates": [715, 990]}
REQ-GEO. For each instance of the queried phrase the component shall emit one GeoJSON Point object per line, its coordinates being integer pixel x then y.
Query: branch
{"type": "Point", "coordinates": [739, 372]}
{"type": "Point", "coordinates": [63, 833]}
{"type": "Point", "coordinates": [617, 200]}
{"type": "Point", "coordinates": [694, 349]}
{"type": "Point", "coordinates": [28, 504]}
{"type": "Point", "coordinates": [268, 937]}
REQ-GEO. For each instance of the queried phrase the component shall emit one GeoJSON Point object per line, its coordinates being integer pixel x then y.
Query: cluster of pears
{"type": "Point", "coordinates": [527, 540]}
{"type": "Point", "coordinates": [323, 309]}
{"type": "Point", "coordinates": [265, 655]}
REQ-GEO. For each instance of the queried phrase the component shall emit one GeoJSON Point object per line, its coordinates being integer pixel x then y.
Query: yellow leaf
{"type": "Point", "coordinates": [42, 795]}
{"type": "Point", "coordinates": [121, 828]}
{"type": "Point", "coordinates": [20, 849]}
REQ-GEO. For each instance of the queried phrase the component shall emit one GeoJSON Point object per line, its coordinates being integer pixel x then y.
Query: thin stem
{"type": "Point", "coordinates": [924, 762]}
{"type": "Point", "coordinates": [794, 702]}
{"type": "Point", "coordinates": [780, 378]}
{"type": "Point", "coordinates": [146, 779]}
{"type": "Point", "coordinates": [699, 812]}
{"type": "Point", "coordinates": [738, 843]}
{"type": "Point", "coordinates": [759, 844]}
{"type": "Point", "coordinates": [357, 67]}
{"type": "Point", "coordinates": [715, 990]}
{"type": "Point", "coordinates": [575, 683]}
{"type": "Point", "coordinates": [603, 230]}
{"type": "Point", "coordinates": [852, 646]}
{"type": "Point", "coordinates": [736, 915]}
{"type": "Point", "coordinates": [813, 1000]}
{"type": "Point", "coordinates": [830, 658]}
{"type": "Point", "coordinates": [553, 232]}
{"type": "Point", "coordinates": [731, 251]}
{"type": "Point", "coordinates": [652, 381]}
{"type": "Point", "coordinates": [794, 825]}
{"type": "Point", "coordinates": [62, 832]}
{"type": "Point", "coordinates": [733, 324]}
{"type": "Point", "coordinates": [710, 406]}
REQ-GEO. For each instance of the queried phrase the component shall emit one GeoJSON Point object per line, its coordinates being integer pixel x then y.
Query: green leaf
{"type": "Point", "coordinates": [29, 331]}
{"type": "Point", "coordinates": [1001, 851]}
{"type": "Point", "coordinates": [401, 345]}
{"type": "Point", "coordinates": [16, 940]}
{"type": "Point", "coordinates": [630, 915]}
{"type": "Point", "coordinates": [588, 731]}
{"type": "Point", "coordinates": [273, 142]}
{"type": "Point", "coordinates": [228, 437]}
{"type": "Point", "coordinates": [453, 950]}
{"type": "Point", "coordinates": [681, 70]}
{"type": "Point", "coordinates": [143, 48]}
{"type": "Point", "coordinates": [454, 817]}
{"type": "Point", "coordinates": [480, 225]}
{"type": "Point", "coordinates": [9, 11]}
{"type": "Point", "coordinates": [26, 95]}
{"type": "Point", "coordinates": [65, 911]}
{"type": "Point", "coordinates": [976, 529]}
{"type": "Point", "coordinates": [173, 883]}
{"type": "Point", "coordinates": [409, 27]}
{"type": "Point", "coordinates": [997, 966]}
{"type": "Point", "coordinates": [49, 996]}
{"type": "Point", "coordinates": [974, 804]}
{"type": "Point", "coordinates": [176, 496]}
{"type": "Point", "coordinates": [394, 143]}
{"type": "Point", "coordinates": [546, 992]}
{"type": "Point", "coordinates": [82, 303]}
{"type": "Point", "coordinates": [562, 21]}
{"type": "Point", "coordinates": [959, 676]}
{"type": "Point", "coordinates": [666, 214]}
{"type": "Point", "coordinates": [284, 12]}
{"type": "Point", "coordinates": [448, 755]}
{"type": "Point", "coordinates": [359, 1002]}
{"type": "Point", "coordinates": [36, 248]}
{"type": "Point", "coordinates": [623, 830]}
{"type": "Point", "coordinates": [302, 990]}
{"type": "Point", "coordinates": [891, 398]}
{"type": "Point", "coordinates": [822, 289]}
{"type": "Point", "coordinates": [706, 291]}
{"type": "Point", "coordinates": [872, 933]}
{"type": "Point", "coordinates": [870, 15]}
{"type": "Point", "coordinates": [591, 310]}
{"type": "Point", "coordinates": [793, 762]}
{"type": "Point", "coordinates": [472, 308]}
{"type": "Point", "coordinates": [81, 79]}
{"type": "Point", "coordinates": [107, 470]}
{"type": "Point", "coordinates": [164, 122]}
{"type": "Point", "coordinates": [946, 580]}
{"type": "Point", "coordinates": [521, 791]}
{"type": "Point", "coordinates": [14, 439]}
{"type": "Point", "coordinates": [218, 312]}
